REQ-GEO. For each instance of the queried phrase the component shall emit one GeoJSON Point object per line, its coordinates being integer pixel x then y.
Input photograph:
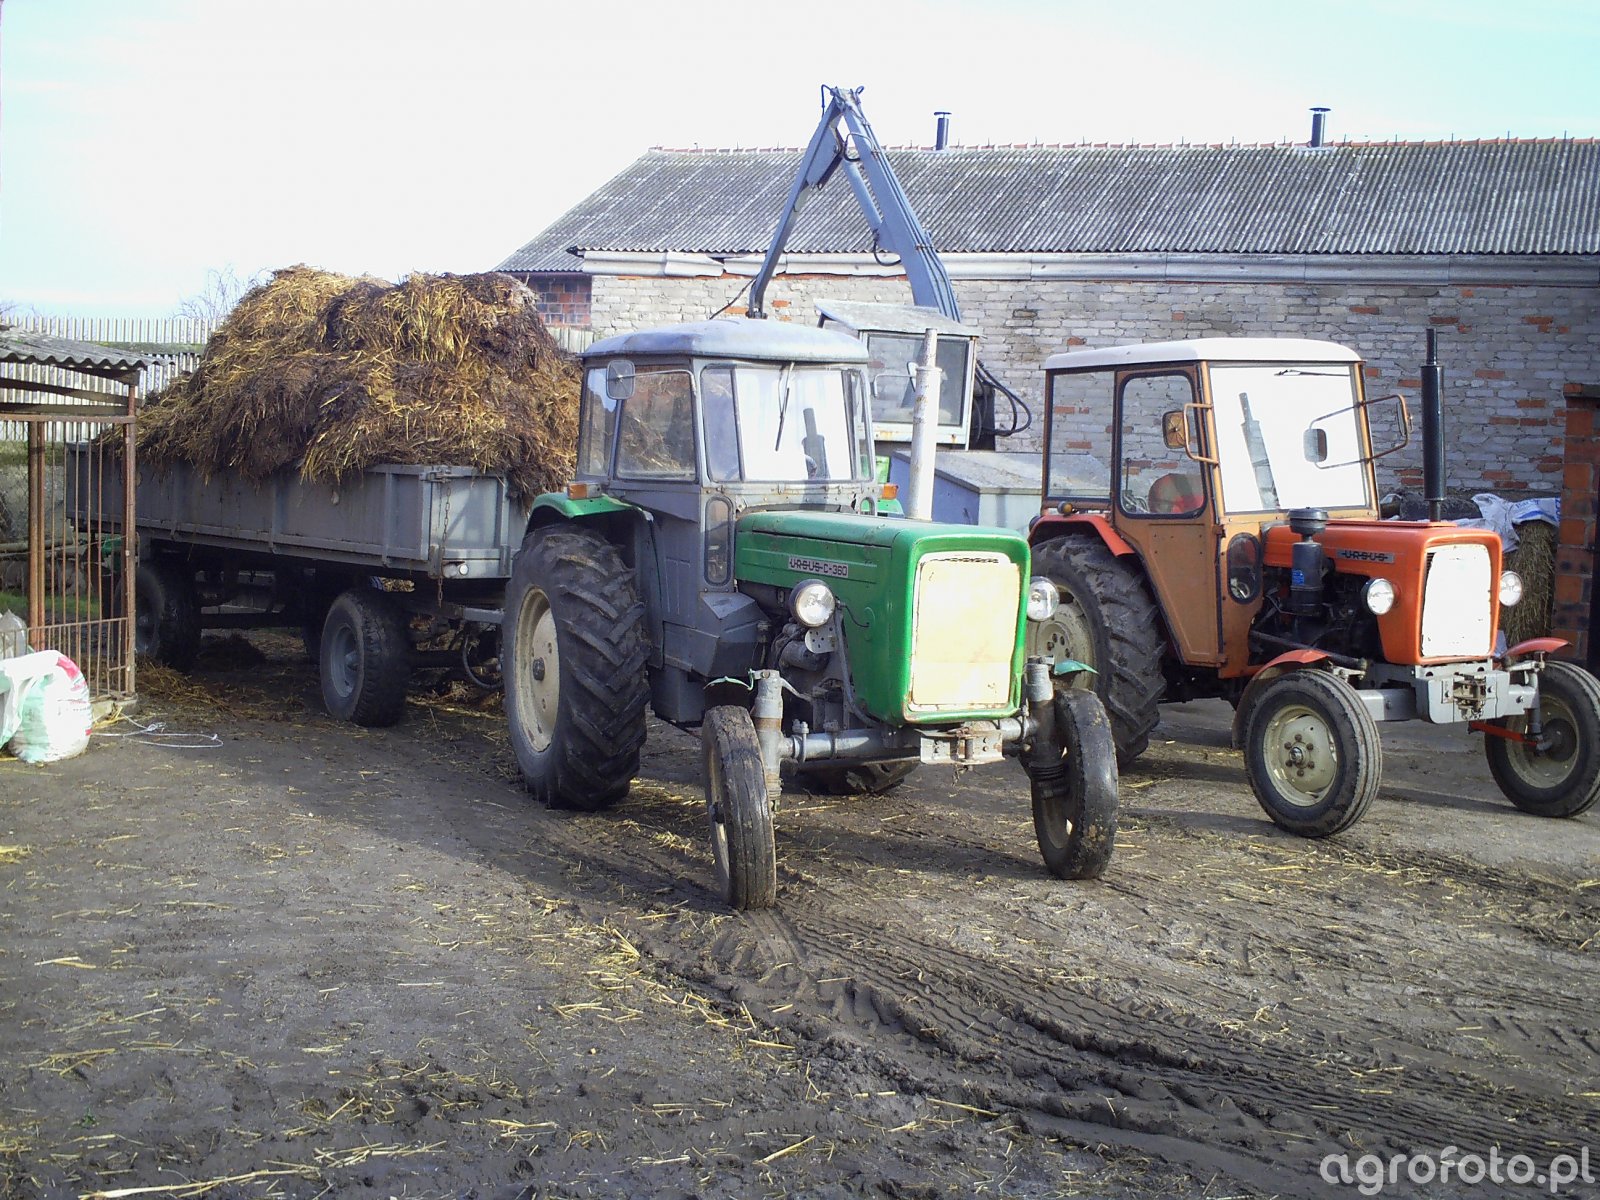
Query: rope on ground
{"type": "Point", "coordinates": [157, 734]}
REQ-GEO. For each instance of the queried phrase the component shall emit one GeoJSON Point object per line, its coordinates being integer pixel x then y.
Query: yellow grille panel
{"type": "Point", "coordinates": [964, 631]}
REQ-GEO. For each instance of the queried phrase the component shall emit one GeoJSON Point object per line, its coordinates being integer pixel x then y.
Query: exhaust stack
{"type": "Point", "coordinates": [941, 133]}
{"type": "Point", "coordinates": [1319, 119]}
{"type": "Point", "coordinates": [1433, 430]}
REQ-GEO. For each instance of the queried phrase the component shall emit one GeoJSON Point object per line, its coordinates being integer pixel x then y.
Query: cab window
{"type": "Point", "coordinates": [1156, 476]}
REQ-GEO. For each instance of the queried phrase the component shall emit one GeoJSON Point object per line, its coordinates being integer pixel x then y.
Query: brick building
{"type": "Point", "coordinates": [1495, 244]}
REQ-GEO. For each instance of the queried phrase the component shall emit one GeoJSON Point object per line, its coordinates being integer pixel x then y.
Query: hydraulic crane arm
{"type": "Point", "coordinates": [883, 202]}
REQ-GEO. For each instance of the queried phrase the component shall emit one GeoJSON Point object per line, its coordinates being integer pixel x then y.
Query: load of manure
{"type": "Point", "coordinates": [332, 374]}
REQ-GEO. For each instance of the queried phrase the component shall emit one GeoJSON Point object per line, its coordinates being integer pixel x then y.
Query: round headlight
{"type": "Point", "coordinates": [1378, 596]}
{"type": "Point", "coordinates": [1510, 588]}
{"type": "Point", "coordinates": [812, 603]}
{"type": "Point", "coordinates": [1043, 599]}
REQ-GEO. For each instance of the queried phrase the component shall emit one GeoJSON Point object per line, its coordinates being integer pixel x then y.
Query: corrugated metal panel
{"type": "Point", "coordinates": [1508, 197]}
{"type": "Point", "coordinates": [25, 347]}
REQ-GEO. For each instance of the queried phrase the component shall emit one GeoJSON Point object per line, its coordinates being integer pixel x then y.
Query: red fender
{"type": "Point", "coordinates": [1052, 525]}
{"type": "Point", "coordinates": [1289, 660]}
{"type": "Point", "coordinates": [1538, 645]}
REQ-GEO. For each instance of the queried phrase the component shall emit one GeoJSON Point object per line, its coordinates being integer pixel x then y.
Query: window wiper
{"type": "Point", "coordinates": [783, 404]}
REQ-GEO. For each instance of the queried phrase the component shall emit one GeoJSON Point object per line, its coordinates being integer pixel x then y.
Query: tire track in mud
{"type": "Point", "coordinates": [829, 972]}
{"type": "Point", "coordinates": [836, 973]}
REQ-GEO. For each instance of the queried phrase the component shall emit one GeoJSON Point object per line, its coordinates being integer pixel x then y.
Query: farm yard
{"type": "Point", "coordinates": [246, 950]}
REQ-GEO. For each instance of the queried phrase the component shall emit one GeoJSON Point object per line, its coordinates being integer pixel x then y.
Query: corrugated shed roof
{"type": "Point", "coordinates": [1383, 198]}
{"type": "Point", "coordinates": [25, 347]}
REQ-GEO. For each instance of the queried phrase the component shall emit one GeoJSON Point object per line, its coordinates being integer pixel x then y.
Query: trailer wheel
{"type": "Point", "coordinates": [574, 666]}
{"type": "Point", "coordinates": [1107, 620]}
{"type": "Point", "coordinates": [1312, 752]}
{"type": "Point", "coordinates": [365, 658]}
{"type": "Point", "coordinates": [1562, 780]}
{"type": "Point", "coordinates": [858, 779]}
{"type": "Point", "coordinates": [1075, 803]}
{"type": "Point", "coordinates": [742, 840]}
{"type": "Point", "coordinates": [166, 615]}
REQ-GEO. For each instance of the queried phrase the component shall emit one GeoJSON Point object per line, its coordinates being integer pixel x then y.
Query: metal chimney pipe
{"type": "Point", "coordinates": [941, 135]}
{"type": "Point", "coordinates": [1433, 430]}
{"type": "Point", "coordinates": [1319, 119]}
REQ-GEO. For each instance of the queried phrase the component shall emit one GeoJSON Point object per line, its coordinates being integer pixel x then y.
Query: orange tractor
{"type": "Point", "coordinates": [1220, 537]}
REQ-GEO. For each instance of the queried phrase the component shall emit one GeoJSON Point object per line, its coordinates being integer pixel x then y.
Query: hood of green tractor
{"type": "Point", "coordinates": [931, 615]}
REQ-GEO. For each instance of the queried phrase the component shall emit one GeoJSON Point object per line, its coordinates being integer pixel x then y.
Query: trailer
{"type": "Point", "coordinates": [394, 568]}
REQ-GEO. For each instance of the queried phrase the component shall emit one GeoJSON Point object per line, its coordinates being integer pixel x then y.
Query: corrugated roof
{"type": "Point", "coordinates": [25, 347]}
{"type": "Point", "coordinates": [1514, 197]}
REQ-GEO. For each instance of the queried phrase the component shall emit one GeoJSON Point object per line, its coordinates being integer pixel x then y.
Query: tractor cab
{"type": "Point", "coordinates": [1189, 450]}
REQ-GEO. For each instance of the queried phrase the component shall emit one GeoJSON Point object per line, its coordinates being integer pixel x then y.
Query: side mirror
{"type": "Point", "coordinates": [619, 379]}
{"type": "Point", "coordinates": [1175, 430]}
{"type": "Point", "coordinates": [1315, 445]}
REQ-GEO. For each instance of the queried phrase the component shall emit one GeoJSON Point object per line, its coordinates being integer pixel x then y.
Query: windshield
{"type": "Point", "coordinates": [1288, 437]}
{"type": "Point", "coordinates": [784, 424]}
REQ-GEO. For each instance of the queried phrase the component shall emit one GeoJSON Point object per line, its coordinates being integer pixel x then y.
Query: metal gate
{"type": "Point", "coordinates": [67, 410]}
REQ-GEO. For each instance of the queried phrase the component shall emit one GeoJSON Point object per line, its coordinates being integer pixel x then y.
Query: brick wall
{"type": "Point", "coordinates": [1575, 542]}
{"type": "Point", "coordinates": [1507, 351]}
{"type": "Point", "coordinates": [563, 299]}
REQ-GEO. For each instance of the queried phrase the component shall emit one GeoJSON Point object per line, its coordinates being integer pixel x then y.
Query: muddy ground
{"type": "Point", "coordinates": [266, 954]}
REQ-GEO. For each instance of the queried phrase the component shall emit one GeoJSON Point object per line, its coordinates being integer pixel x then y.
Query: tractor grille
{"type": "Point", "coordinates": [1457, 602]}
{"type": "Point", "coordinates": [964, 631]}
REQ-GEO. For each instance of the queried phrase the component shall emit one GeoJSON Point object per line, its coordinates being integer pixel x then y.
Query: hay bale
{"type": "Point", "coordinates": [1535, 560]}
{"type": "Point", "coordinates": [332, 374]}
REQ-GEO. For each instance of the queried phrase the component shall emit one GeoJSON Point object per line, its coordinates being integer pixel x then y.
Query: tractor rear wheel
{"type": "Point", "coordinates": [740, 811]}
{"type": "Point", "coordinates": [1563, 779]}
{"type": "Point", "coordinates": [574, 664]}
{"type": "Point", "coordinates": [1312, 752]}
{"type": "Point", "coordinates": [1075, 805]}
{"type": "Point", "coordinates": [859, 779]}
{"type": "Point", "coordinates": [1107, 620]}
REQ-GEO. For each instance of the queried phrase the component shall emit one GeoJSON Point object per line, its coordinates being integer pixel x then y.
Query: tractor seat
{"type": "Point", "coordinates": [1176, 492]}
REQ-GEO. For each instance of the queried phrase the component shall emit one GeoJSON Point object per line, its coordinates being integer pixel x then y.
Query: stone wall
{"type": "Point", "coordinates": [1507, 351]}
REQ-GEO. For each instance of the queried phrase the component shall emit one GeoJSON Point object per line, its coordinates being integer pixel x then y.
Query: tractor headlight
{"type": "Point", "coordinates": [1043, 599]}
{"type": "Point", "coordinates": [1378, 596]}
{"type": "Point", "coordinates": [812, 603]}
{"type": "Point", "coordinates": [1510, 588]}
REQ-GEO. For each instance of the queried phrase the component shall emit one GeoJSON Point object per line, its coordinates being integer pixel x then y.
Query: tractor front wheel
{"type": "Point", "coordinates": [1312, 753]}
{"type": "Point", "coordinates": [742, 840]}
{"type": "Point", "coordinates": [1075, 800]}
{"type": "Point", "coordinates": [1563, 778]}
{"type": "Point", "coordinates": [574, 665]}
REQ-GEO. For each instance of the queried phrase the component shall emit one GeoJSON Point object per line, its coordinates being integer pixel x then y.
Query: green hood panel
{"type": "Point", "coordinates": [872, 564]}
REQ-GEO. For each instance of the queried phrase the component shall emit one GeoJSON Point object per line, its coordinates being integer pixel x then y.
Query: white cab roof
{"type": "Point", "coordinates": [1233, 350]}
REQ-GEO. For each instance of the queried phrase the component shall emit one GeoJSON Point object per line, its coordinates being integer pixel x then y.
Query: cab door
{"type": "Point", "coordinates": [1165, 501]}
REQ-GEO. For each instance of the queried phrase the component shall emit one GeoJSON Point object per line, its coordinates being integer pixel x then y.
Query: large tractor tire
{"type": "Point", "coordinates": [740, 811]}
{"type": "Point", "coordinates": [364, 658]}
{"type": "Point", "coordinates": [1563, 779]}
{"type": "Point", "coordinates": [1312, 752]}
{"type": "Point", "coordinates": [1108, 620]}
{"type": "Point", "coordinates": [166, 615]}
{"type": "Point", "coordinates": [574, 666]}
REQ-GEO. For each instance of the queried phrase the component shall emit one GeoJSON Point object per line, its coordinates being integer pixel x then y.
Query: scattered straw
{"type": "Point", "coordinates": [13, 854]}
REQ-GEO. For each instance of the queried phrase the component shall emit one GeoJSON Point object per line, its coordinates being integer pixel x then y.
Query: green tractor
{"type": "Point", "coordinates": [725, 556]}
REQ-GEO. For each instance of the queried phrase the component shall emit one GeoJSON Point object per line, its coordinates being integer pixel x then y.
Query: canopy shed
{"type": "Point", "coordinates": [67, 411]}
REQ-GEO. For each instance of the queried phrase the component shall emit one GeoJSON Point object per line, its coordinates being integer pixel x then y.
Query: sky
{"type": "Point", "coordinates": [148, 145]}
